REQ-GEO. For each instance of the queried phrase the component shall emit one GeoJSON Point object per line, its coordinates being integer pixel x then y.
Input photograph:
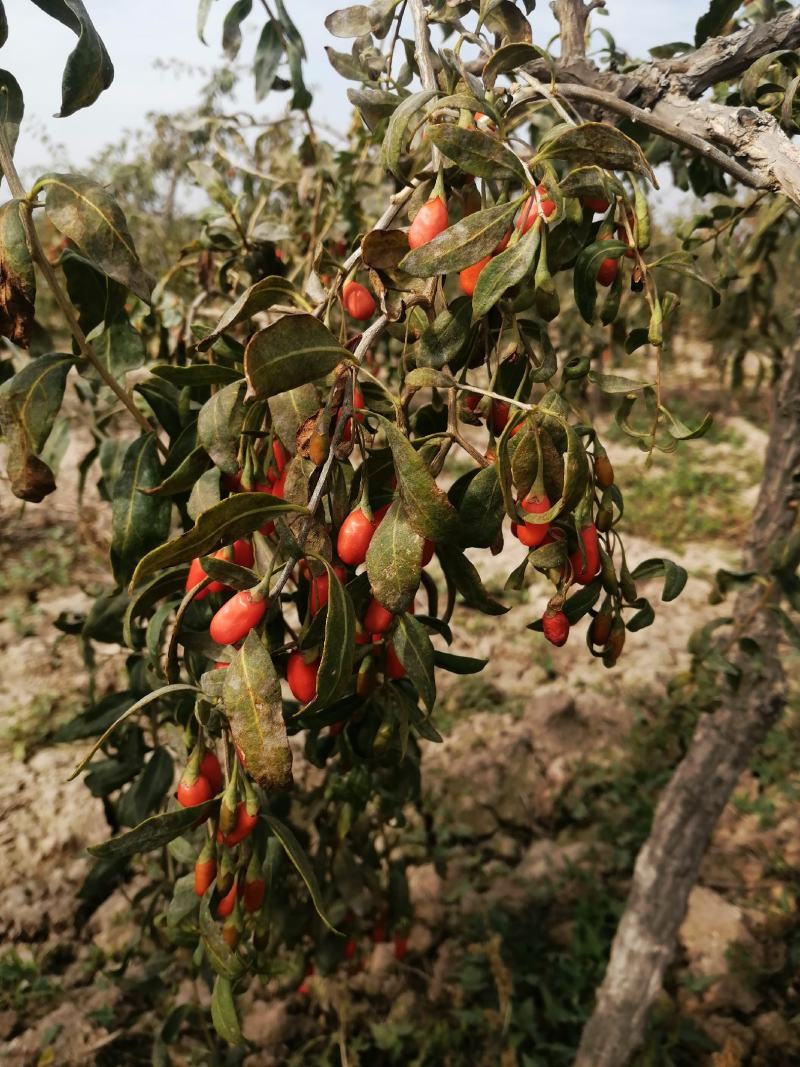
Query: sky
{"type": "Point", "coordinates": [142, 34]}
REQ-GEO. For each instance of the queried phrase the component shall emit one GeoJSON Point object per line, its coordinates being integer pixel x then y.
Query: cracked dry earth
{"type": "Point", "coordinates": [547, 713]}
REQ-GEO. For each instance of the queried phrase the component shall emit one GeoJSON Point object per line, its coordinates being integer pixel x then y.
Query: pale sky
{"type": "Point", "coordinates": [138, 34]}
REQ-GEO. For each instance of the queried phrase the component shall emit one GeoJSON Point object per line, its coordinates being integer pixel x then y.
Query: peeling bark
{"type": "Point", "coordinates": [721, 749]}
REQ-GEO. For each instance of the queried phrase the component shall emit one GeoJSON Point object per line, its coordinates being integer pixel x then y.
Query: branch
{"type": "Point", "coordinates": [422, 50]}
{"type": "Point", "coordinates": [652, 121]}
{"type": "Point", "coordinates": [572, 16]}
{"type": "Point", "coordinates": [725, 58]}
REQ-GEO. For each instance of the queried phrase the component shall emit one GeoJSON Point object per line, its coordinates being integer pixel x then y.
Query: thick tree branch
{"type": "Point", "coordinates": [652, 120]}
{"type": "Point", "coordinates": [725, 58]}
{"type": "Point", "coordinates": [572, 16]}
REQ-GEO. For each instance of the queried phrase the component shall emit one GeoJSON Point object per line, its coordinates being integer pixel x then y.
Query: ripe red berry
{"type": "Point", "coordinates": [400, 947]}
{"type": "Point", "coordinates": [595, 204]}
{"type": "Point", "coordinates": [236, 618]}
{"type": "Point", "coordinates": [377, 619]}
{"type": "Point", "coordinates": [205, 871]}
{"type": "Point", "coordinates": [609, 269]}
{"type": "Point", "coordinates": [499, 413]}
{"type": "Point", "coordinates": [253, 896]}
{"type": "Point", "coordinates": [429, 221]}
{"type": "Point", "coordinates": [530, 210]}
{"type": "Point", "coordinates": [355, 534]}
{"type": "Point", "coordinates": [279, 454]}
{"type": "Point", "coordinates": [190, 794]}
{"type": "Point", "coordinates": [302, 677]}
{"type": "Point", "coordinates": [394, 668]}
{"type": "Point", "coordinates": [210, 768]}
{"type": "Point", "coordinates": [358, 301]}
{"type": "Point", "coordinates": [583, 571]}
{"type": "Point", "coordinates": [556, 627]}
{"type": "Point", "coordinates": [468, 278]}
{"type": "Point", "coordinates": [244, 825]}
{"type": "Point", "coordinates": [228, 902]}
{"type": "Point", "coordinates": [532, 535]}
{"type": "Point", "coordinates": [318, 596]}
{"type": "Point", "coordinates": [350, 948]}
{"type": "Point", "coordinates": [427, 552]}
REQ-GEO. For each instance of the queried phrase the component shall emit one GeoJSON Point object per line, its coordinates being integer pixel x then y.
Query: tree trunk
{"type": "Point", "coordinates": [721, 749]}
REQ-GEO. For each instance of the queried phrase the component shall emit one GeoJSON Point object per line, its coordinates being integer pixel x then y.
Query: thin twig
{"type": "Point", "coordinates": [37, 252]}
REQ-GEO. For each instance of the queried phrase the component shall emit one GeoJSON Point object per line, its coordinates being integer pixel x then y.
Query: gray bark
{"type": "Point", "coordinates": [721, 749]}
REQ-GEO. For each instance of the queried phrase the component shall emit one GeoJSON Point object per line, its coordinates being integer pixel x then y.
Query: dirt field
{"type": "Point", "coordinates": [513, 915]}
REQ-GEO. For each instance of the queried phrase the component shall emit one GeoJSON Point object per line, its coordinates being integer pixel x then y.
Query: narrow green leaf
{"type": "Point", "coordinates": [338, 647]}
{"type": "Point", "coordinates": [252, 700]}
{"type": "Point", "coordinates": [415, 651]}
{"type": "Point", "coordinates": [461, 245]}
{"type": "Point", "coordinates": [89, 215]}
{"type": "Point", "coordinates": [257, 297]}
{"type": "Point", "coordinates": [464, 576]}
{"type": "Point", "coordinates": [222, 524]}
{"type": "Point", "coordinates": [458, 664]}
{"type": "Point", "coordinates": [89, 69]}
{"type": "Point", "coordinates": [223, 1012]}
{"type": "Point", "coordinates": [394, 138]}
{"type": "Point", "coordinates": [675, 576]}
{"type": "Point", "coordinates": [302, 863]}
{"type": "Point", "coordinates": [477, 152]}
{"type": "Point", "coordinates": [508, 268]}
{"type": "Point", "coordinates": [394, 560]}
{"type": "Point", "coordinates": [585, 273]}
{"type": "Point", "coordinates": [597, 144]}
{"type": "Point", "coordinates": [219, 426]}
{"type": "Point", "coordinates": [429, 511]}
{"type": "Point", "coordinates": [153, 832]}
{"type": "Point", "coordinates": [295, 350]}
{"type": "Point", "coordinates": [269, 52]}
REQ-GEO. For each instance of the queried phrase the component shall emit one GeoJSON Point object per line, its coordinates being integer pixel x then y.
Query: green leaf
{"type": "Point", "coordinates": [223, 1012]}
{"type": "Point", "coordinates": [17, 278]}
{"type": "Point", "coordinates": [675, 576]}
{"type": "Point", "coordinates": [597, 144]}
{"type": "Point", "coordinates": [512, 57]}
{"type": "Point", "coordinates": [154, 832]}
{"type": "Point", "coordinates": [32, 398]}
{"type": "Point", "coordinates": [429, 378]}
{"type": "Point", "coordinates": [338, 647]}
{"type": "Point", "coordinates": [508, 268]}
{"type": "Point", "coordinates": [302, 863]}
{"type": "Point", "coordinates": [168, 584]}
{"type": "Point", "coordinates": [269, 51]}
{"type": "Point", "coordinates": [258, 297]}
{"type": "Point", "coordinates": [685, 264]}
{"type": "Point", "coordinates": [394, 560]}
{"type": "Point", "coordinates": [616, 383]}
{"type": "Point", "coordinates": [219, 426]}
{"type": "Point", "coordinates": [185, 475]}
{"type": "Point", "coordinates": [481, 510]}
{"type": "Point", "coordinates": [251, 697]}
{"type": "Point", "coordinates": [224, 961]}
{"type": "Point", "coordinates": [139, 522]}
{"type": "Point", "coordinates": [392, 146]}
{"type": "Point", "coordinates": [415, 651]}
{"type": "Point", "coordinates": [196, 376]}
{"type": "Point", "coordinates": [461, 245]}
{"type": "Point", "coordinates": [232, 27]}
{"type": "Point", "coordinates": [585, 273]}
{"type": "Point", "coordinates": [458, 664]}
{"type": "Point", "coordinates": [157, 694]}
{"type": "Point", "coordinates": [709, 25]}
{"type": "Point", "coordinates": [184, 899]}
{"type": "Point", "coordinates": [464, 576]}
{"type": "Point", "coordinates": [295, 350]}
{"type": "Point", "coordinates": [12, 106]}
{"type": "Point", "coordinates": [88, 69]}
{"type": "Point", "coordinates": [429, 511]}
{"type": "Point", "coordinates": [222, 524]}
{"type": "Point", "coordinates": [90, 216]}
{"type": "Point", "coordinates": [444, 339]}
{"type": "Point", "coordinates": [354, 21]}
{"type": "Point", "coordinates": [477, 152]}
{"type": "Point", "coordinates": [148, 790]}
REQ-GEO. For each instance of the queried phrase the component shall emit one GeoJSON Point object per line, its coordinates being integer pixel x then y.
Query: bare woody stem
{"type": "Point", "coordinates": [424, 57]}
{"type": "Point", "coordinates": [572, 16]}
{"type": "Point", "coordinates": [43, 263]}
